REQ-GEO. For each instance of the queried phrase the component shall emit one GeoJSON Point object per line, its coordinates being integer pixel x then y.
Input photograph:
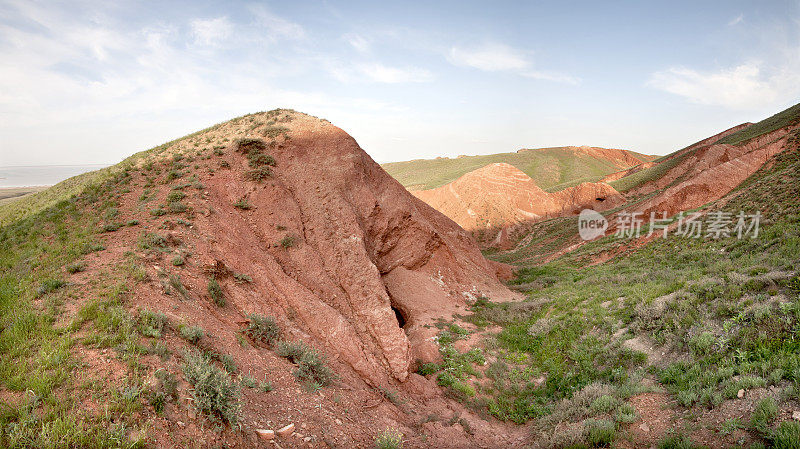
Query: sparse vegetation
{"type": "Point", "coordinates": [243, 203]}
{"type": "Point", "coordinates": [215, 292]}
{"type": "Point", "coordinates": [214, 393]}
{"type": "Point", "coordinates": [192, 334]}
{"type": "Point", "coordinates": [389, 439]}
{"type": "Point", "coordinates": [311, 365]}
{"type": "Point", "coordinates": [263, 329]}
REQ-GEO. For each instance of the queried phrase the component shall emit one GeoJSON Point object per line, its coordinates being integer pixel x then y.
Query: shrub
{"type": "Point", "coordinates": [311, 367]}
{"type": "Point", "coordinates": [192, 334]}
{"type": "Point", "coordinates": [243, 204]}
{"type": "Point", "coordinates": [175, 195]}
{"type": "Point", "coordinates": [111, 227]}
{"type": "Point", "coordinates": [177, 207]}
{"type": "Point", "coordinates": [786, 436]}
{"type": "Point", "coordinates": [603, 404]}
{"type": "Point", "coordinates": [214, 392]}
{"type": "Point", "coordinates": [178, 261]}
{"type": "Point", "coordinates": [288, 241]}
{"type": "Point", "coordinates": [600, 432]}
{"type": "Point", "coordinates": [310, 364]}
{"type": "Point", "coordinates": [389, 439]}
{"type": "Point", "coordinates": [676, 441]}
{"type": "Point", "coordinates": [291, 350]}
{"type": "Point", "coordinates": [49, 286]}
{"type": "Point", "coordinates": [174, 174]}
{"type": "Point", "coordinates": [257, 159]}
{"type": "Point", "coordinates": [426, 369]}
{"type": "Point", "coordinates": [215, 292]}
{"type": "Point", "coordinates": [258, 174]}
{"type": "Point", "coordinates": [248, 144]}
{"type": "Point", "coordinates": [626, 413]}
{"type": "Point", "coordinates": [263, 329]}
{"type": "Point", "coordinates": [76, 267]}
{"type": "Point", "coordinates": [764, 414]}
{"type": "Point", "coordinates": [266, 386]}
{"type": "Point", "coordinates": [151, 324]}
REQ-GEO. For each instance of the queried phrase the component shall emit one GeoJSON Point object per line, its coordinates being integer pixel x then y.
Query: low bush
{"type": "Point", "coordinates": [215, 292]}
{"type": "Point", "coordinates": [389, 439]}
{"type": "Point", "coordinates": [600, 432]}
{"type": "Point", "coordinates": [192, 334]}
{"type": "Point", "coordinates": [764, 414]}
{"type": "Point", "coordinates": [786, 436]}
{"type": "Point", "coordinates": [243, 204]}
{"type": "Point", "coordinates": [263, 329]}
{"type": "Point", "coordinates": [214, 392]}
{"type": "Point", "coordinates": [151, 324]}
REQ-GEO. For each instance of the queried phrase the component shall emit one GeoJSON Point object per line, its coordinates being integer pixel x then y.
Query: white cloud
{"type": "Point", "coordinates": [489, 58]}
{"type": "Point", "coordinates": [552, 76]}
{"type": "Point", "coordinates": [358, 42]}
{"type": "Point", "coordinates": [378, 73]}
{"type": "Point", "coordinates": [743, 87]}
{"type": "Point", "coordinates": [276, 27]}
{"type": "Point", "coordinates": [210, 32]}
{"type": "Point", "coordinates": [736, 20]}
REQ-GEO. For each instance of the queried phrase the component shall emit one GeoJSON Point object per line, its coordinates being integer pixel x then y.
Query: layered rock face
{"type": "Point", "coordinates": [708, 173]}
{"type": "Point", "coordinates": [339, 251]}
{"type": "Point", "coordinates": [500, 195]}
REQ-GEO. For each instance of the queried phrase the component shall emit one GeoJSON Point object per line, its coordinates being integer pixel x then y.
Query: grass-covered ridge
{"type": "Point", "coordinates": [48, 322]}
{"type": "Point", "coordinates": [780, 120]}
{"type": "Point", "coordinates": [549, 167]}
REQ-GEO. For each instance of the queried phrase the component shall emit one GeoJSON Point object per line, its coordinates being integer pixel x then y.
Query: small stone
{"type": "Point", "coordinates": [181, 424]}
{"type": "Point", "coordinates": [740, 394]}
{"type": "Point", "coordinates": [307, 439]}
{"type": "Point", "coordinates": [265, 434]}
{"type": "Point", "coordinates": [796, 415]}
{"type": "Point", "coordinates": [644, 427]}
{"type": "Point", "coordinates": [286, 430]}
{"type": "Point", "coordinates": [338, 421]}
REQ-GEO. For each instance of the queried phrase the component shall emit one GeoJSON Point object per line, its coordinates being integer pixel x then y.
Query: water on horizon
{"type": "Point", "coordinates": [41, 175]}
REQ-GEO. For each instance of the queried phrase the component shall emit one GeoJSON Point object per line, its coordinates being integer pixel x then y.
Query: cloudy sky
{"type": "Point", "coordinates": [92, 82]}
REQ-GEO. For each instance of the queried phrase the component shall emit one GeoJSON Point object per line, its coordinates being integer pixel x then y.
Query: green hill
{"type": "Point", "coordinates": [552, 168]}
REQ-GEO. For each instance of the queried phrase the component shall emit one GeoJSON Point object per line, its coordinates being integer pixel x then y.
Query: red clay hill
{"type": "Point", "coordinates": [295, 221]}
{"type": "Point", "coordinates": [336, 249]}
{"type": "Point", "coordinates": [495, 198]}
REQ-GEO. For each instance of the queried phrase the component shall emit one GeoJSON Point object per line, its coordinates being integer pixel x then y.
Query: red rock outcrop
{"type": "Point", "coordinates": [499, 196]}
{"type": "Point", "coordinates": [709, 173]}
{"type": "Point", "coordinates": [366, 265]}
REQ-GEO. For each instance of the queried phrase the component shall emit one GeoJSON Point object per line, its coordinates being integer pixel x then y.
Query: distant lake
{"type": "Point", "coordinates": [41, 175]}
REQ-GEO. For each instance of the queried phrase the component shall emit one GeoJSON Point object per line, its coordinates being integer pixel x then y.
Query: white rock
{"type": "Point", "coordinates": [644, 427]}
{"type": "Point", "coordinates": [286, 430]}
{"type": "Point", "coordinates": [265, 434]}
{"type": "Point", "coordinates": [740, 394]}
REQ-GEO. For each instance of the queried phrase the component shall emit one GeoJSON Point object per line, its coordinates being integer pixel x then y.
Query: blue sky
{"type": "Point", "coordinates": [92, 82]}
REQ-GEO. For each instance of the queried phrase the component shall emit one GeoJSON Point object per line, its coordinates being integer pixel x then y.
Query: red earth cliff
{"type": "Point", "coordinates": [499, 196]}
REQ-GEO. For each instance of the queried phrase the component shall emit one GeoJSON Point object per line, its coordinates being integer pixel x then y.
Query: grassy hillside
{"type": "Point", "coordinates": [549, 167]}
{"type": "Point", "coordinates": [715, 319]}
{"type": "Point", "coordinates": [44, 239]}
{"type": "Point", "coordinates": [777, 121]}
{"type": "Point", "coordinates": [780, 120]}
